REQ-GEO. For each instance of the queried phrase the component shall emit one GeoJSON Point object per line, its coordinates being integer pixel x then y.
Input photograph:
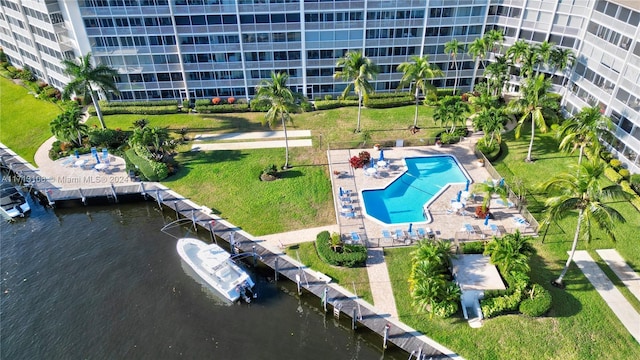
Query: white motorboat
{"type": "Point", "coordinates": [215, 266]}
{"type": "Point", "coordinates": [12, 201]}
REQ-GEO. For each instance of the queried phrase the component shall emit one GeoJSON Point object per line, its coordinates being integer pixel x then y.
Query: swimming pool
{"type": "Point", "coordinates": [404, 200]}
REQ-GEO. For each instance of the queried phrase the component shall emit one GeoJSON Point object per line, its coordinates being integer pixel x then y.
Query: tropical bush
{"type": "Point", "coordinates": [625, 173]}
{"type": "Point", "coordinates": [333, 104]}
{"type": "Point", "coordinates": [150, 170]}
{"type": "Point", "coordinates": [430, 282]}
{"type": "Point", "coordinates": [360, 161]}
{"type": "Point", "coordinates": [223, 108]}
{"type": "Point", "coordinates": [475, 247]}
{"type": "Point", "coordinates": [108, 138]}
{"type": "Point", "coordinates": [612, 174]}
{"type": "Point", "coordinates": [537, 301]}
{"type": "Point", "coordinates": [615, 163]}
{"type": "Point", "coordinates": [347, 255]}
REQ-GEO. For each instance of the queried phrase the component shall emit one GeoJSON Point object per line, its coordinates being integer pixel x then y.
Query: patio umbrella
{"type": "Point", "coordinates": [341, 192]}
{"type": "Point", "coordinates": [372, 162]}
{"type": "Point", "coordinates": [410, 227]}
{"type": "Point", "coordinates": [501, 183]}
{"type": "Point", "coordinates": [77, 154]}
{"type": "Point", "coordinates": [458, 197]}
{"type": "Point", "coordinates": [486, 220]}
{"type": "Point", "coordinates": [466, 188]}
{"type": "Point", "coordinates": [97, 158]}
{"type": "Point", "coordinates": [381, 155]}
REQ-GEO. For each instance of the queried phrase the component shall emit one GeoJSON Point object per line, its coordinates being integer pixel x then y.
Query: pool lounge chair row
{"type": "Point", "coordinates": [407, 236]}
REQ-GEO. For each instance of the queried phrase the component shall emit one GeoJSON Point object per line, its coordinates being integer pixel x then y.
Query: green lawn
{"type": "Point", "coordinates": [24, 120]}
{"type": "Point", "coordinates": [349, 278]}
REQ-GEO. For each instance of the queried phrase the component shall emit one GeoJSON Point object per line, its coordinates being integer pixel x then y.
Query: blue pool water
{"type": "Point", "coordinates": [402, 201]}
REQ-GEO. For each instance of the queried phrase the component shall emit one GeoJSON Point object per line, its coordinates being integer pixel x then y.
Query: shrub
{"type": "Point", "coordinates": [606, 156]}
{"type": "Point", "coordinates": [476, 247]}
{"type": "Point", "coordinates": [444, 92]}
{"type": "Point", "coordinates": [332, 104]}
{"type": "Point", "coordinates": [231, 100]}
{"type": "Point", "coordinates": [150, 170]}
{"type": "Point", "coordinates": [615, 163]}
{"type": "Point", "coordinates": [261, 105]}
{"type": "Point", "coordinates": [140, 110]}
{"type": "Point", "coordinates": [612, 174]}
{"type": "Point", "coordinates": [537, 303]}
{"type": "Point", "coordinates": [500, 305]}
{"type": "Point", "coordinates": [328, 97]}
{"type": "Point", "coordinates": [224, 108]}
{"type": "Point", "coordinates": [137, 103]}
{"type": "Point", "coordinates": [215, 101]}
{"type": "Point", "coordinates": [361, 160]}
{"type": "Point", "coordinates": [306, 106]}
{"type": "Point", "coordinates": [107, 138]}
{"type": "Point", "coordinates": [351, 255]}
{"type": "Point", "coordinates": [382, 103]}
{"type": "Point", "coordinates": [624, 173]}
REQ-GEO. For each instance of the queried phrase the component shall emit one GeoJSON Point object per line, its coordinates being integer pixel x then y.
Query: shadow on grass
{"type": "Point", "coordinates": [231, 122]}
{"type": "Point", "coordinates": [289, 174]}
{"type": "Point", "coordinates": [563, 303]}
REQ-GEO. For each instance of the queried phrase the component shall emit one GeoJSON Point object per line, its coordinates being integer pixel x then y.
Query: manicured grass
{"type": "Point", "coordinates": [228, 182]}
{"type": "Point", "coordinates": [345, 277]}
{"type": "Point", "coordinates": [24, 120]}
{"type": "Point", "coordinates": [579, 326]}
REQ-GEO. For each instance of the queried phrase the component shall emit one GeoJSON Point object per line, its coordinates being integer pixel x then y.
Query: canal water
{"type": "Point", "coordinates": [103, 282]}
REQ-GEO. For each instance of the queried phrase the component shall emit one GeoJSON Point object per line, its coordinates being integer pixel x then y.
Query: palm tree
{"type": "Point", "coordinates": [510, 252]}
{"type": "Point", "coordinates": [542, 53]}
{"type": "Point", "coordinates": [488, 189]}
{"type": "Point", "coordinates": [536, 104]}
{"type": "Point", "coordinates": [67, 125]}
{"type": "Point", "coordinates": [418, 72]}
{"type": "Point", "coordinates": [451, 111]}
{"type": "Point", "coordinates": [582, 191]}
{"type": "Point", "coordinates": [283, 102]}
{"type": "Point", "coordinates": [358, 70]}
{"type": "Point", "coordinates": [583, 130]}
{"type": "Point", "coordinates": [496, 74]}
{"type": "Point", "coordinates": [85, 77]}
{"type": "Point", "coordinates": [478, 49]}
{"type": "Point", "coordinates": [491, 121]}
{"type": "Point", "coordinates": [453, 48]}
{"type": "Point", "coordinates": [493, 40]}
{"type": "Point", "coordinates": [518, 51]}
{"type": "Point", "coordinates": [561, 58]}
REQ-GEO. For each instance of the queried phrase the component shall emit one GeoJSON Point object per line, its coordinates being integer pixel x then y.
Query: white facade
{"type": "Point", "coordinates": [179, 49]}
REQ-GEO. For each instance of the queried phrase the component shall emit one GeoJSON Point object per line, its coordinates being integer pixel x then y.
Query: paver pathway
{"type": "Point", "coordinates": [249, 145]}
{"type": "Point", "coordinates": [252, 135]}
{"type": "Point", "coordinates": [380, 283]}
{"type": "Point", "coordinates": [612, 296]}
{"type": "Point", "coordinates": [623, 271]}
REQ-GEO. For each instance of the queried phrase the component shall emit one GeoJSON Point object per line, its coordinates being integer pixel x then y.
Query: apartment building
{"type": "Point", "coordinates": [194, 49]}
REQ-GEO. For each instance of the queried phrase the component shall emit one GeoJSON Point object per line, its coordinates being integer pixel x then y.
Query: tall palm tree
{"type": "Point", "coordinates": [67, 125]}
{"type": "Point", "coordinates": [283, 102]}
{"type": "Point", "coordinates": [488, 189]}
{"type": "Point", "coordinates": [418, 73]}
{"type": "Point", "coordinates": [496, 74]}
{"type": "Point", "coordinates": [478, 50]}
{"type": "Point", "coordinates": [536, 104]}
{"type": "Point", "coordinates": [543, 54]}
{"type": "Point", "coordinates": [561, 59]}
{"type": "Point", "coordinates": [582, 191]}
{"type": "Point", "coordinates": [85, 78]}
{"type": "Point", "coordinates": [358, 70]}
{"type": "Point", "coordinates": [583, 130]}
{"type": "Point", "coordinates": [518, 51]}
{"type": "Point", "coordinates": [493, 40]}
{"type": "Point", "coordinates": [453, 48]}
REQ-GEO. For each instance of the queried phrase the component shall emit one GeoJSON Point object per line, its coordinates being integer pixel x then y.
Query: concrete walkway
{"type": "Point", "coordinates": [252, 135]}
{"type": "Point", "coordinates": [380, 283]}
{"type": "Point", "coordinates": [624, 272]}
{"type": "Point", "coordinates": [612, 296]}
{"type": "Point", "coordinates": [250, 145]}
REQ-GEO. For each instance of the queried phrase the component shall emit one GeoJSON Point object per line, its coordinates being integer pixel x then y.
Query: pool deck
{"type": "Point", "coordinates": [445, 225]}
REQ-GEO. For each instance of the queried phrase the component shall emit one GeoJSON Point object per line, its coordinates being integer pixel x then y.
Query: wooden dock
{"type": "Point", "coordinates": [338, 300]}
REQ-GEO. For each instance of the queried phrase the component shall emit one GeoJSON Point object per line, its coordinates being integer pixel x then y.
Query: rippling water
{"type": "Point", "coordinates": [103, 282]}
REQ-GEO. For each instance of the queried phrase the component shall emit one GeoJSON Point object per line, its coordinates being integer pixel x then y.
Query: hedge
{"type": "Point", "coordinates": [475, 247]}
{"type": "Point", "coordinates": [388, 102]}
{"type": "Point", "coordinates": [612, 175]}
{"type": "Point", "coordinates": [140, 110]}
{"type": "Point", "coordinates": [151, 170]}
{"type": "Point", "coordinates": [224, 108]}
{"type": "Point", "coordinates": [137, 103]}
{"type": "Point", "coordinates": [332, 104]}
{"type": "Point", "coordinates": [351, 255]}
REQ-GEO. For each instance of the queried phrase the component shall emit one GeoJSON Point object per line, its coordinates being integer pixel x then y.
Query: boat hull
{"type": "Point", "coordinates": [13, 203]}
{"type": "Point", "coordinates": [214, 266]}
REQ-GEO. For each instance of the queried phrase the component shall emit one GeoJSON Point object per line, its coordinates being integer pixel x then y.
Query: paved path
{"type": "Point", "coordinates": [623, 271]}
{"type": "Point", "coordinates": [380, 283]}
{"type": "Point", "coordinates": [252, 135]}
{"type": "Point", "coordinates": [250, 145]}
{"type": "Point", "coordinates": [297, 236]}
{"type": "Point", "coordinates": [612, 296]}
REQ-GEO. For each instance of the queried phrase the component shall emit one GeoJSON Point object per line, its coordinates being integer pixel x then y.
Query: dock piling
{"type": "Point", "coordinates": [324, 299]}
{"type": "Point", "coordinates": [276, 268]}
{"type": "Point", "coordinates": [255, 255]}
{"type": "Point", "coordinates": [385, 336]}
{"type": "Point", "coordinates": [298, 284]}
{"type": "Point", "coordinates": [115, 194]}
{"type": "Point", "coordinates": [82, 197]}
{"type": "Point", "coordinates": [212, 232]}
{"type": "Point", "coordinates": [193, 219]}
{"type": "Point", "coordinates": [175, 207]}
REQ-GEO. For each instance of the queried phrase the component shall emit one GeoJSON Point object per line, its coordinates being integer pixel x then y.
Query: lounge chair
{"type": "Point", "coordinates": [69, 160]}
{"type": "Point", "coordinates": [355, 237]}
{"type": "Point", "coordinates": [468, 228]}
{"type": "Point", "coordinates": [494, 229]}
{"type": "Point", "coordinates": [398, 234]}
{"type": "Point", "coordinates": [421, 233]}
{"type": "Point", "coordinates": [386, 235]}
{"type": "Point", "coordinates": [430, 234]}
{"type": "Point", "coordinates": [348, 215]}
{"type": "Point", "coordinates": [520, 221]}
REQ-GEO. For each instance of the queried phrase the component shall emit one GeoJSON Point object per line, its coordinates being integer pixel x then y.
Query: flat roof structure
{"type": "Point", "coordinates": [475, 272]}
